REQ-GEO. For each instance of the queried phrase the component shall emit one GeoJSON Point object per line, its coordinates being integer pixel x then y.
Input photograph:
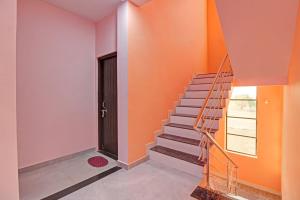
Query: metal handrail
{"type": "Point", "coordinates": [198, 121]}
{"type": "Point", "coordinates": [201, 113]}
{"type": "Point", "coordinates": [217, 145]}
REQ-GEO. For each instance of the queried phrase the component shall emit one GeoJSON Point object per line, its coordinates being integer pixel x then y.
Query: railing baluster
{"type": "Point", "coordinates": [207, 164]}
{"type": "Point", "coordinates": [228, 184]}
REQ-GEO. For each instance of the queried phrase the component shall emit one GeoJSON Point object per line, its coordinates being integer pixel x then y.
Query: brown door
{"type": "Point", "coordinates": [107, 105]}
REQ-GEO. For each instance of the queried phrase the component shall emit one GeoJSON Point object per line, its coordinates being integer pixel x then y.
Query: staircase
{"type": "Point", "coordinates": [178, 145]}
{"type": "Point", "coordinates": [187, 138]}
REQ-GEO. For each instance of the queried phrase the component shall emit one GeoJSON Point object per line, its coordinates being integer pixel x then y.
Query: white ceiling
{"type": "Point", "coordinates": [93, 10]}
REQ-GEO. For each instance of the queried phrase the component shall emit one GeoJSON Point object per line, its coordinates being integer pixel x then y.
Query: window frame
{"type": "Point", "coordinates": [247, 118]}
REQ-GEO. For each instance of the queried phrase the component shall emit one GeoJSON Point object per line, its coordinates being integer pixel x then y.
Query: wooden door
{"type": "Point", "coordinates": [107, 105]}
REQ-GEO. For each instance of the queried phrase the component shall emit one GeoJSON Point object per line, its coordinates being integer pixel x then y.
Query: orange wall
{"type": "Point", "coordinates": [265, 170]}
{"type": "Point", "coordinates": [167, 45]}
{"type": "Point", "coordinates": [216, 48]}
{"type": "Point", "coordinates": [291, 133]}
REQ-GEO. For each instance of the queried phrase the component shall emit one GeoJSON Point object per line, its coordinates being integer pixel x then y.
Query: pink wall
{"type": "Point", "coordinates": [259, 36]}
{"type": "Point", "coordinates": [291, 137]}
{"type": "Point", "coordinates": [56, 94]}
{"type": "Point", "coordinates": [8, 135]}
{"type": "Point", "coordinates": [106, 35]}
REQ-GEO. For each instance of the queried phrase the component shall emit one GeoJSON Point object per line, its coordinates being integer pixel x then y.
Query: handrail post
{"type": "Point", "coordinates": [228, 177]}
{"type": "Point", "coordinates": [236, 181]}
{"type": "Point", "coordinates": [207, 160]}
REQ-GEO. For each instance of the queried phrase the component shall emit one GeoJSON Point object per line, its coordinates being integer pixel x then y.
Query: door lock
{"type": "Point", "coordinates": [103, 110]}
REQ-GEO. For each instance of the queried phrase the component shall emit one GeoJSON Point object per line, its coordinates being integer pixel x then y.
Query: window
{"type": "Point", "coordinates": [241, 121]}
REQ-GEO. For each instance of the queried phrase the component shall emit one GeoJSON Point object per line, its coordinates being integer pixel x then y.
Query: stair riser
{"type": "Point", "coordinates": [182, 120]}
{"type": "Point", "coordinates": [178, 164]}
{"type": "Point", "coordinates": [191, 121]}
{"type": "Point", "coordinates": [200, 102]}
{"type": "Point", "coordinates": [205, 75]}
{"type": "Point", "coordinates": [210, 80]}
{"type": "Point", "coordinates": [181, 132]}
{"type": "Point", "coordinates": [226, 86]}
{"type": "Point", "coordinates": [192, 102]}
{"type": "Point", "coordinates": [213, 75]}
{"type": "Point", "coordinates": [179, 146]}
{"type": "Point", "coordinates": [195, 111]}
{"type": "Point", "coordinates": [203, 94]}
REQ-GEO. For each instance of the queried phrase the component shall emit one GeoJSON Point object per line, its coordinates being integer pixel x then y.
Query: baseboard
{"type": "Point", "coordinates": [150, 145]}
{"type": "Point", "coordinates": [144, 158]}
{"type": "Point", "coordinates": [112, 156]}
{"type": "Point", "coordinates": [50, 162]}
{"type": "Point", "coordinates": [251, 185]}
{"type": "Point", "coordinates": [122, 164]}
{"type": "Point", "coordinates": [259, 187]}
{"type": "Point", "coordinates": [132, 164]}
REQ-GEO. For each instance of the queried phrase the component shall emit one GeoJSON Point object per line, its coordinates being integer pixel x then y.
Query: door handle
{"type": "Point", "coordinates": [103, 110]}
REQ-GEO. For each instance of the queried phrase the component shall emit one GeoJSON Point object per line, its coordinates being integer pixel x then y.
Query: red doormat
{"type": "Point", "coordinates": [97, 161]}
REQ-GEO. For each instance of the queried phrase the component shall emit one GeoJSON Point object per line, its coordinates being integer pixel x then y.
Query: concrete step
{"type": "Point", "coordinates": [204, 93]}
{"type": "Point", "coordinates": [186, 131]}
{"type": "Point", "coordinates": [211, 75]}
{"type": "Point", "coordinates": [189, 110]}
{"type": "Point", "coordinates": [198, 102]}
{"type": "Point", "coordinates": [181, 131]}
{"type": "Point", "coordinates": [179, 143]}
{"type": "Point", "coordinates": [191, 120]}
{"type": "Point", "coordinates": [176, 159]}
{"type": "Point", "coordinates": [201, 80]}
{"type": "Point", "coordinates": [208, 86]}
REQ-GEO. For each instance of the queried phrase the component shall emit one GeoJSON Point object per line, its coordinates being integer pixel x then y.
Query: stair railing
{"type": "Point", "coordinates": [205, 124]}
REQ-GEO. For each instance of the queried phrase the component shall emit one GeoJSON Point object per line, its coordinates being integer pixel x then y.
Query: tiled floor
{"type": "Point", "coordinates": [147, 181]}
{"type": "Point", "coordinates": [244, 191]}
{"type": "Point", "coordinates": [53, 178]}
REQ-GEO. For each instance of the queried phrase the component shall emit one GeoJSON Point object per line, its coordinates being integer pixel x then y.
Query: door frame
{"type": "Point", "coordinates": [100, 97]}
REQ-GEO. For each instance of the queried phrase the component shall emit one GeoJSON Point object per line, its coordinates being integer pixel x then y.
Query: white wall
{"type": "Point", "coordinates": [122, 48]}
